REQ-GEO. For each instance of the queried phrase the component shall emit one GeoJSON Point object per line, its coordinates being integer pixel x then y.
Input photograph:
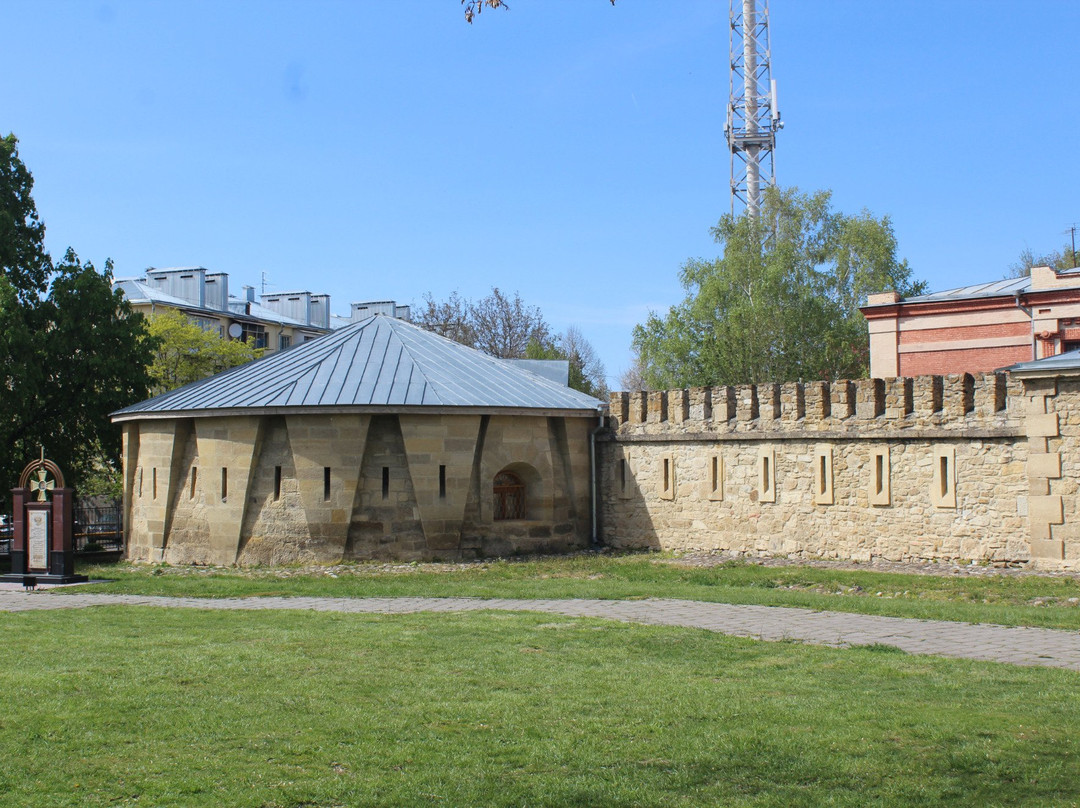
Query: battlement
{"type": "Point", "coordinates": [957, 401]}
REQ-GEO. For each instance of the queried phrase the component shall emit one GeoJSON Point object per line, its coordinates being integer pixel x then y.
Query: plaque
{"type": "Point", "coordinates": [38, 540]}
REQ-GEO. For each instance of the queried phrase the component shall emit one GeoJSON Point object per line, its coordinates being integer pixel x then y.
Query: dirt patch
{"type": "Point", "coordinates": [875, 565]}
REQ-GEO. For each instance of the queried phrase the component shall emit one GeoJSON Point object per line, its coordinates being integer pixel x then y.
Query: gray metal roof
{"type": "Point", "coordinates": [377, 362]}
{"type": "Point", "coordinates": [558, 370]}
{"type": "Point", "coordinates": [1007, 287]}
{"type": "Point", "coordinates": [1003, 288]}
{"type": "Point", "coordinates": [1065, 363]}
{"type": "Point", "coordinates": [137, 290]}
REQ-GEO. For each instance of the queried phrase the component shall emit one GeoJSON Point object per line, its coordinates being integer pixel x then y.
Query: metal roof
{"type": "Point", "coordinates": [377, 362]}
{"type": "Point", "coordinates": [1068, 362]}
{"type": "Point", "coordinates": [558, 370]}
{"type": "Point", "coordinates": [1002, 288]}
{"type": "Point", "coordinates": [137, 290]}
{"type": "Point", "coordinates": [1007, 287]}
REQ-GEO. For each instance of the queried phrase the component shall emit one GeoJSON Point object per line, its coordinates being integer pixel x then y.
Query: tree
{"type": "Point", "coordinates": [71, 349]}
{"type": "Point", "coordinates": [586, 369]}
{"type": "Point", "coordinates": [504, 327]}
{"type": "Point", "coordinates": [782, 303]}
{"type": "Point", "coordinates": [185, 353]}
{"type": "Point", "coordinates": [633, 378]}
{"type": "Point", "coordinates": [497, 325]}
{"type": "Point", "coordinates": [1065, 258]}
{"type": "Point", "coordinates": [451, 319]}
{"type": "Point", "coordinates": [507, 328]}
{"type": "Point", "coordinates": [473, 8]}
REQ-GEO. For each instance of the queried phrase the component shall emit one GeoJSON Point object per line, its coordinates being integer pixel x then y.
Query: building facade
{"type": "Point", "coordinates": [271, 322]}
{"type": "Point", "coordinates": [976, 328]}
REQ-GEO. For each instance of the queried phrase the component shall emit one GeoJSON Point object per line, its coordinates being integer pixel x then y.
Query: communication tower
{"type": "Point", "coordinates": [753, 118]}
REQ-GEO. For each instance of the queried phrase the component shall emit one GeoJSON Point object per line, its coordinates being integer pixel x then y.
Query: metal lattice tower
{"type": "Point", "coordinates": [753, 118]}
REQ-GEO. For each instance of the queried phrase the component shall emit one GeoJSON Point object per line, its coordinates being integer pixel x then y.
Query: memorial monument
{"type": "Point", "coordinates": [41, 544]}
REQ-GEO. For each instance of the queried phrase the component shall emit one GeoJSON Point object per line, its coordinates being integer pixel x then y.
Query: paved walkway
{"type": "Point", "coordinates": [1013, 645]}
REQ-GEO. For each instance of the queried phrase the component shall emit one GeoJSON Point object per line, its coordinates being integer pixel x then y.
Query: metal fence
{"type": "Point", "coordinates": [97, 528]}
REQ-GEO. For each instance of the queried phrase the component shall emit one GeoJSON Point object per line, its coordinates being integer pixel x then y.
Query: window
{"type": "Point", "coordinates": [823, 476]}
{"type": "Point", "coordinates": [879, 489]}
{"type": "Point", "coordinates": [326, 483]}
{"type": "Point", "coordinates": [766, 475]}
{"type": "Point", "coordinates": [386, 482]}
{"type": "Point", "coordinates": [224, 484]}
{"type": "Point", "coordinates": [714, 486]}
{"type": "Point", "coordinates": [284, 342]}
{"type": "Point", "coordinates": [194, 476]}
{"type": "Point", "coordinates": [442, 482]}
{"type": "Point", "coordinates": [205, 323]}
{"type": "Point", "coordinates": [667, 477]}
{"type": "Point", "coordinates": [254, 335]}
{"type": "Point", "coordinates": [626, 477]}
{"type": "Point", "coordinates": [943, 486]}
{"type": "Point", "coordinates": [277, 483]}
{"type": "Point", "coordinates": [509, 493]}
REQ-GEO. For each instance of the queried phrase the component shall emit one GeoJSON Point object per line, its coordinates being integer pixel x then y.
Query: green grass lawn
{"type": "Point", "coordinates": [156, 707]}
{"type": "Point", "coordinates": [1016, 600]}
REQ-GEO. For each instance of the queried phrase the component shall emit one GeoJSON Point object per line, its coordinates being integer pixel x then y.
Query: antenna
{"type": "Point", "coordinates": [1072, 233]}
{"type": "Point", "coordinates": [753, 117]}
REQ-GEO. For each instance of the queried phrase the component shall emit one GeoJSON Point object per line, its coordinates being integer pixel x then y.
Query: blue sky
{"type": "Point", "coordinates": [566, 149]}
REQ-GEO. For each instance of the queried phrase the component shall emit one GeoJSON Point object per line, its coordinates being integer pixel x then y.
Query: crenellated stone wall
{"type": "Point", "coordinates": [958, 467]}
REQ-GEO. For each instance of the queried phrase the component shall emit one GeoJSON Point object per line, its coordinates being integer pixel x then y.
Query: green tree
{"type": "Point", "coordinates": [185, 353]}
{"type": "Point", "coordinates": [1061, 259]}
{"type": "Point", "coordinates": [587, 372]}
{"type": "Point", "coordinates": [71, 349]}
{"type": "Point", "coordinates": [781, 304]}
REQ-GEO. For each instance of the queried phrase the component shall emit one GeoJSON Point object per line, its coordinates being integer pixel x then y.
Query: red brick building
{"type": "Point", "coordinates": [975, 328]}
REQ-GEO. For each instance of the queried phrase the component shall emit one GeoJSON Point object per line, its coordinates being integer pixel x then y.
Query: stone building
{"type": "Point", "coordinates": [379, 440]}
{"type": "Point", "coordinates": [382, 440]}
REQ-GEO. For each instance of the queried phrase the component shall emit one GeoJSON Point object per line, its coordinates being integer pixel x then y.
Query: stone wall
{"type": "Point", "coordinates": [954, 468]}
{"type": "Point", "coordinates": [315, 488]}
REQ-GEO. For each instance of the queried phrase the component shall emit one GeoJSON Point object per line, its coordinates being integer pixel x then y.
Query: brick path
{"type": "Point", "coordinates": [1013, 645]}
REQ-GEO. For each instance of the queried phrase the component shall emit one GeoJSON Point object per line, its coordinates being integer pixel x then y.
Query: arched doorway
{"type": "Point", "coordinates": [510, 497]}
